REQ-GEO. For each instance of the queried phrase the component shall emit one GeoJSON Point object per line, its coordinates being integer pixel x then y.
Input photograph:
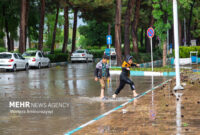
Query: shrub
{"type": "Point", "coordinates": [58, 57]}
{"type": "Point", "coordinates": [91, 47]}
{"type": "Point", "coordinates": [184, 51]}
{"type": "Point", "coordinates": [97, 53]}
{"type": "Point", "coordinates": [31, 49]}
{"type": "Point", "coordinates": [2, 49]}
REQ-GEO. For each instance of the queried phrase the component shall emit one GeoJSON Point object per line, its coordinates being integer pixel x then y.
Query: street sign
{"type": "Point", "coordinates": [150, 32]}
{"type": "Point", "coordinates": [109, 39]}
{"type": "Point", "coordinates": [107, 51]}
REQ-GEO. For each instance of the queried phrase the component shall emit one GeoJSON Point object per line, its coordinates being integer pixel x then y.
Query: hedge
{"type": "Point", "coordinates": [97, 53]}
{"type": "Point", "coordinates": [184, 51]}
{"type": "Point", "coordinates": [2, 49]}
{"type": "Point", "coordinates": [58, 57]}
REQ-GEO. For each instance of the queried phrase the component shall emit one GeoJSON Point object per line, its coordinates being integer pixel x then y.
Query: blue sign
{"type": "Point", "coordinates": [109, 39]}
{"type": "Point", "coordinates": [107, 52]}
{"type": "Point", "coordinates": [170, 45]}
{"type": "Point", "coordinates": [150, 32]}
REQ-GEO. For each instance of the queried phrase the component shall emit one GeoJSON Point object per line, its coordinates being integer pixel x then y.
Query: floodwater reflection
{"type": "Point", "coordinates": [178, 113]}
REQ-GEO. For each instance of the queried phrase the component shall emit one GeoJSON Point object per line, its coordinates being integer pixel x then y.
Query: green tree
{"type": "Point", "coordinates": [161, 13]}
{"type": "Point", "coordinates": [9, 21]}
{"type": "Point", "coordinates": [94, 33]}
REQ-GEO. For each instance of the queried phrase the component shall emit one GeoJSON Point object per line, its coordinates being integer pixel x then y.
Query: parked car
{"type": "Point", "coordinates": [81, 55]}
{"type": "Point", "coordinates": [112, 53]}
{"type": "Point", "coordinates": [13, 61]}
{"type": "Point", "coordinates": [37, 59]}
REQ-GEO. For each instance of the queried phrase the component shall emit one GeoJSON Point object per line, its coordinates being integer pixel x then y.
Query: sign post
{"type": "Point", "coordinates": [150, 34]}
{"type": "Point", "coordinates": [109, 42]}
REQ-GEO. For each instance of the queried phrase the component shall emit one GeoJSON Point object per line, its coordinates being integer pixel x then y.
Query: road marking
{"type": "Point", "coordinates": [115, 109]}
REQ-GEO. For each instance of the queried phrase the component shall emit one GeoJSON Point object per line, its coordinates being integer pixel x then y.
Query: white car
{"type": "Point", "coordinates": [13, 61]}
{"type": "Point", "coordinates": [112, 53]}
{"type": "Point", "coordinates": [36, 59]}
{"type": "Point", "coordinates": [81, 55]}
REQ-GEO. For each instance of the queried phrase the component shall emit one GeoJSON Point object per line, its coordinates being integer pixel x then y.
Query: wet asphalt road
{"type": "Point", "coordinates": [74, 82]}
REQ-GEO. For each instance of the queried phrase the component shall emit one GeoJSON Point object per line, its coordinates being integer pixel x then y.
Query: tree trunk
{"type": "Point", "coordinates": [11, 44]}
{"type": "Point", "coordinates": [54, 31]}
{"type": "Point", "coordinates": [117, 32]}
{"type": "Point", "coordinates": [128, 15]}
{"type": "Point", "coordinates": [142, 37]}
{"type": "Point", "coordinates": [189, 23]}
{"type": "Point", "coordinates": [22, 39]}
{"type": "Point", "coordinates": [26, 27]}
{"type": "Point", "coordinates": [74, 30]}
{"type": "Point", "coordinates": [164, 53]}
{"type": "Point", "coordinates": [6, 29]}
{"type": "Point", "coordinates": [29, 42]}
{"type": "Point", "coordinates": [41, 27]}
{"type": "Point", "coordinates": [7, 35]}
{"type": "Point", "coordinates": [66, 29]}
{"type": "Point", "coordinates": [134, 26]}
{"type": "Point", "coordinates": [109, 29]}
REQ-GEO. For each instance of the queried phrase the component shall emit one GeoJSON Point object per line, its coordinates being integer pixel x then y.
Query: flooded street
{"type": "Point", "coordinates": [160, 112]}
{"type": "Point", "coordinates": [74, 83]}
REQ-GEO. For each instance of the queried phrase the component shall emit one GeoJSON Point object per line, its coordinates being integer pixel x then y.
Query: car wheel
{"type": "Point", "coordinates": [39, 66]}
{"type": "Point", "coordinates": [49, 65]}
{"type": "Point", "coordinates": [26, 67]}
{"type": "Point", "coordinates": [86, 61]}
{"type": "Point", "coordinates": [14, 68]}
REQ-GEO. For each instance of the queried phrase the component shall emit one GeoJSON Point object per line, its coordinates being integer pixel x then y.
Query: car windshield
{"type": "Point", "coordinates": [79, 51]}
{"type": "Point", "coordinates": [20, 56]}
{"type": "Point", "coordinates": [29, 54]}
{"type": "Point", "coordinates": [5, 56]}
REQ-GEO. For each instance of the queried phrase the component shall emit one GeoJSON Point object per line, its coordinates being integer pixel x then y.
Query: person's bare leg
{"type": "Point", "coordinates": [102, 94]}
{"type": "Point", "coordinates": [134, 93]}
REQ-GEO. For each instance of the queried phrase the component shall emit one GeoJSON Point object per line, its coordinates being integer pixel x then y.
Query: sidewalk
{"type": "Point", "coordinates": [160, 112]}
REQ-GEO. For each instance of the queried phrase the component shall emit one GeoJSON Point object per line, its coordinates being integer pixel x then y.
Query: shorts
{"type": "Point", "coordinates": [103, 82]}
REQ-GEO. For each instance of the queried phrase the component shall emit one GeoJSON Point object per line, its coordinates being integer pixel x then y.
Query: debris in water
{"type": "Point", "coordinates": [186, 129]}
{"type": "Point", "coordinates": [185, 124]}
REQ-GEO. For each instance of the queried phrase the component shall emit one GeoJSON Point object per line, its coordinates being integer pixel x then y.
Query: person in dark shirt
{"type": "Point", "coordinates": [124, 76]}
{"type": "Point", "coordinates": [102, 74]}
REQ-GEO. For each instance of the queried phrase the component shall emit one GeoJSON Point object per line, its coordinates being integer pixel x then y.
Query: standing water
{"type": "Point", "coordinates": [73, 83]}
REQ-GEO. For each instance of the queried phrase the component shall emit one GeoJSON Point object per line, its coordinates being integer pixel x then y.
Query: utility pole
{"type": "Point", "coordinates": [176, 41]}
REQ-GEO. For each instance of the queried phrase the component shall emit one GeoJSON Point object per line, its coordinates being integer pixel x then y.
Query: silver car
{"type": "Point", "coordinates": [81, 55]}
{"type": "Point", "coordinates": [13, 61]}
{"type": "Point", "coordinates": [36, 59]}
{"type": "Point", "coordinates": [112, 53]}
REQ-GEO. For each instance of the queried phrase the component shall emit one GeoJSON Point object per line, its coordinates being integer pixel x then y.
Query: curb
{"type": "Point", "coordinates": [195, 70]}
{"type": "Point", "coordinates": [116, 108]}
{"type": "Point", "coordinates": [59, 64]}
{"type": "Point", "coordinates": [144, 73]}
